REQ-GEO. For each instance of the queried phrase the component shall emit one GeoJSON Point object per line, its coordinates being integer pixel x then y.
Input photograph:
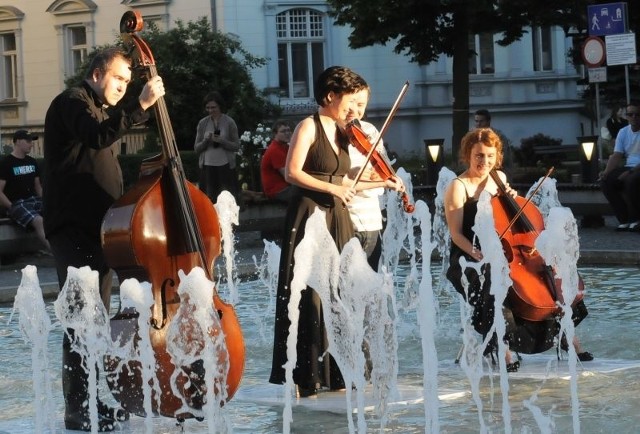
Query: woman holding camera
{"type": "Point", "coordinates": [217, 142]}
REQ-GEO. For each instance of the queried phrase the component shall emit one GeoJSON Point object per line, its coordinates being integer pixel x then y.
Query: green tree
{"type": "Point", "coordinates": [192, 60]}
{"type": "Point", "coordinates": [426, 29]}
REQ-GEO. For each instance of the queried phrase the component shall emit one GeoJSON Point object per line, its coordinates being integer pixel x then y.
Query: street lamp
{"type": "Point", "coordinates": [588, 158]}
{"type": "Point", "coordinates": [434, 154]}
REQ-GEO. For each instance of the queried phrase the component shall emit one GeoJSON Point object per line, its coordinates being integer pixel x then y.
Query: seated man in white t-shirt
{"type": "Point", "coordinates": [621, 177]}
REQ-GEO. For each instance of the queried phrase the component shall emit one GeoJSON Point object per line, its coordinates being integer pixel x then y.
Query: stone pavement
{"type": "Point", "coordinates": [598, 246]}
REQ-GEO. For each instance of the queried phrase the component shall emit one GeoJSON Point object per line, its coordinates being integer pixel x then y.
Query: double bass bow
{"type": "Point", "coordinates": [535, 292]}
{"type": "Point", "coordinates": [379, 162]}
{"type": "Point", "coordinates": [164, 224]}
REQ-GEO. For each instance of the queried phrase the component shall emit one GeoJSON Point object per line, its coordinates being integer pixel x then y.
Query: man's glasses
{"type": "Point", "coordinates": [633, 115]}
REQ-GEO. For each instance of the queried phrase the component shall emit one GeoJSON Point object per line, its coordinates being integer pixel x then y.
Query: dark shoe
{"type": "Point", "coordinates": [119, 414]}
{"type": "Point", "coordinates": [585, 356]}
{"type": "Point", "coordinates": [513, 367]}
{"type": "Point", "coordinates": [82, 422]}
{"type": "Point", "coordinates": [304, 392]}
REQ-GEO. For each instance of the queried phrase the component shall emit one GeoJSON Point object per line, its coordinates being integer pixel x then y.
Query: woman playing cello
{"type": "Point", "coordinates": [481, 151]}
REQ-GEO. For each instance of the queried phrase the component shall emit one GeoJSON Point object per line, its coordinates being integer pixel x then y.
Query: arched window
{"type": "Point", "coordinates": [301, 39]}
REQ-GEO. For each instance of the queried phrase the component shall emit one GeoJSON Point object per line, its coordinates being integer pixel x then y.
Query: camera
{"type": "Point", "coordinates": [216, 133]}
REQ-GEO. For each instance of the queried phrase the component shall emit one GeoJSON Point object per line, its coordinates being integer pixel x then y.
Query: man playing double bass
{"type": "Point", "coordinates": [82, 180]}
{"type": "Point", "coordinates": [481, 151]}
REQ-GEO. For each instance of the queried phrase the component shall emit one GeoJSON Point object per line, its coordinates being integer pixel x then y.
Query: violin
{"type": "Point", "coordinates": [379, 162]}
{"type": "Point", "coordinates": [164, 224]}
{"type": "Point", "coordinates": [536, 293]}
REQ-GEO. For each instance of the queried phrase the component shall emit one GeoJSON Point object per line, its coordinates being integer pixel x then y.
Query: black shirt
{"type": "Point", "coordinates": [82, 175]}
{"type": "Point", "coordinates": [20, 175]}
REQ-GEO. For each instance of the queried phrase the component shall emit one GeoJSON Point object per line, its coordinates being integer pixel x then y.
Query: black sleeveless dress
{"type": "Point", "coordinates": [324, 164]}
{"type": "Point", "coordinates": [524, 336]}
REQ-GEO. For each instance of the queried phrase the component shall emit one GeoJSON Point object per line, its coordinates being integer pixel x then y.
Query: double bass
{"type": "Point", "coordinates": [536, 293]}
{"type": "Point", "coordinates": [164, 224]}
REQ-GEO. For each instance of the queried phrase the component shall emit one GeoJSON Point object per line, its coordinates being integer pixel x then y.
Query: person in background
{"type": "Point", "coordinates": [616, 121]}
{"type": "Point", "coordinates": [621, 177]}
{"type": "Point", "coordinates": [364, 208]}
{"type": "Point", "coordinates": [82, 180]}
{"type": "Point", "coordinates": [481, 152]}
{"type": "Point", "coordinates": [20, 187]}
{"type": "Point", "coordinates": [274, 185]}
{"type": "Point", "coordinates": [482, 118]}
{"type": "Point", "coordinates": [217, 142]}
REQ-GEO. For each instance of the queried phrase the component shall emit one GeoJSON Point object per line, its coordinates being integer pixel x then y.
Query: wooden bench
{"type": "Point", "coordinates": [15, 240]}
{"type": "Point", "coordinates": [564, 152]}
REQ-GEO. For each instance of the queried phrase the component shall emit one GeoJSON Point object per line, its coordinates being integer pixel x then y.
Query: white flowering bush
{"type": "Point", "coordinates": [253, 144]}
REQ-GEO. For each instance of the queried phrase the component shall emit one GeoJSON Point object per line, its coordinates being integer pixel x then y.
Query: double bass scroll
{"type": "Point", "coordinates": [164, 224]}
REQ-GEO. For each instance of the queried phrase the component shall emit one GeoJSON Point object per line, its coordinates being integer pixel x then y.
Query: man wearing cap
{"type": "Point", "coordinates": [20, 187]}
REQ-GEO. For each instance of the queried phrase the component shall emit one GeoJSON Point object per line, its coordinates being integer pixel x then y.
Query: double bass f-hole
{"type": "Point", "coordinates": [163, 298]}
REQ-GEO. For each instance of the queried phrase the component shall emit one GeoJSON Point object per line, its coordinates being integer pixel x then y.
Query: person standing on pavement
{"type": "Point", "coordinates": [621, 177]}
{"type": "Point", "coordinates": [217, 142]}
{"type": "Point", "coordinates": [616, 121]}
{"type": "Point", "coordinates": [82, 180]}
{"type": "Point", "coordinates": [20, 187]}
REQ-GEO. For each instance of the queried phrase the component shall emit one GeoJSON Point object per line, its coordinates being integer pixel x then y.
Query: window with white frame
{"type": "Point", "coordinates": [76, 37]}
{"type": "Point", "coordinates": [542, 55]}
{"type": "Point", "coordinates": [301, 39]}
{"type": "Point", "coordinates": [9, 77]}
{"type": "Point", "coordinates": [481, 61]}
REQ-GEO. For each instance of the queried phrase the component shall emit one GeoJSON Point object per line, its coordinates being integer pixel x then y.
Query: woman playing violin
{"type": "Point", "coordinates": [317, 162]}
{"type": "Point", "coordinates": [481, 151]}
{"type": "Point", "coordinates": [364, 208]}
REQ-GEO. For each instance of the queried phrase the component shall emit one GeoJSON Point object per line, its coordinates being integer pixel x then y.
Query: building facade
{"type": "Point", "coordinates": [529, 87]}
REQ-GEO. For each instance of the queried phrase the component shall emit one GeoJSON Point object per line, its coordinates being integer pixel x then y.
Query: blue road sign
{"type": "Point", "coordinates": [607, 19]}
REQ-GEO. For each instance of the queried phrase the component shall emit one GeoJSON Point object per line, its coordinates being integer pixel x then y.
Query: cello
{"type": "Point", "coordinates": [164, 224]}
{"type": "Point", "coordinates": [536, 293]}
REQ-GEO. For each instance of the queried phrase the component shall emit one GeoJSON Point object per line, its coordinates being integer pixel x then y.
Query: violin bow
{"type": "Point", "coordinates": [521, 210]}
{"type": "Point", "coordinates": [391, 114]}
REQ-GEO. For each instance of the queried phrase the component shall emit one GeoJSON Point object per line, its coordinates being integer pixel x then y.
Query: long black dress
{"type": "Point", "coordinates": [310, 372]}
{"type": "Point", "coordinates": [524, 336]}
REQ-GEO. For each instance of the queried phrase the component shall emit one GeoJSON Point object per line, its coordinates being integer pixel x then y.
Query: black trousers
{"type": "Point", "coordinates": [623, 195]}
{"type": "Point", "coordinates": [215, 179]}
{"type": "Point", "coordinates": [78, 247]}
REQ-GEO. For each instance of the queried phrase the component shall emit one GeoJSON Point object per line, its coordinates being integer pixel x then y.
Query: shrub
{"type": "Point", "coordinates": [526, 155]}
